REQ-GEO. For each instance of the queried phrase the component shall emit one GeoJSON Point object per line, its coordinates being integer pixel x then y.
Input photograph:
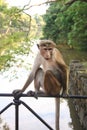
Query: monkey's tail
{"type": "Point", "coordinates": [57, 112]}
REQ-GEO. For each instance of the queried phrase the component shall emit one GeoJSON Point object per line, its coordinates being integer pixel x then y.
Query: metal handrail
{"type": "Point", "coordinates": [17, 102]}
{"type": "Point", "coordinates": [43, 95]}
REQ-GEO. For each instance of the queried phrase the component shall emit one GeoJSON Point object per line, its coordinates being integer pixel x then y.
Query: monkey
{"type": "Point", "coordinates": [49, 73]}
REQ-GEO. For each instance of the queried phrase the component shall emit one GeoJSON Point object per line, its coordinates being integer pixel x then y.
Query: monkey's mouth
{"type": "Point", "coordinates": [47, 58]}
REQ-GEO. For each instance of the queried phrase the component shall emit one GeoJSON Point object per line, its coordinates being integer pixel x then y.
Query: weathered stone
{"type": "Point", "coordinates": [78, 86]}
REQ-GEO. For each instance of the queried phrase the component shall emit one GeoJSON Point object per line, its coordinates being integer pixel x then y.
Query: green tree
{"type": "Point", "coordinates": [50, 31]}
{"type": "Point", "coordinates": [13, 29]}
{"type": "Point", "coordinates": [17, 28]}
{"type": "Point", "coordinates": [67, 24]}
{"type": "Point", "coordinates": [78, 35]}
{"type": "Point", "coordinates": [40, 23]}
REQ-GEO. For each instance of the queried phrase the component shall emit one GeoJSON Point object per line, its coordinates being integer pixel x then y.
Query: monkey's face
{"type": "Point", "coordinates": [46, 52]}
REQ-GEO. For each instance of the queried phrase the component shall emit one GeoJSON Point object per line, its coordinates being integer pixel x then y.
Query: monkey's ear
{"type": "Point", "coordinates": [38, 46]}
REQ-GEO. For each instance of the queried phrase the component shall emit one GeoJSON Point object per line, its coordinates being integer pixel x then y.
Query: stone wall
{"type": "Point", "coordinates": [78, 86]}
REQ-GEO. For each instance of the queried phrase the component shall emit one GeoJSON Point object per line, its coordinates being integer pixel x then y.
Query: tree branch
{"type": "Point", "coordinates": [28, 6]}
{"type": "Point", "coordinates": [70, 2]}
{"type": "Point", "coordinates": [29, 23]}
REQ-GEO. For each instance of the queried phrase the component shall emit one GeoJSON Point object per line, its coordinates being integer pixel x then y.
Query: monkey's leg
{"type": "Point", "coordinates": [51, 84]}
{"type": "Point", "coordinates": [38, 81]}
{"type": "Point", "coordinates": [52, 87]}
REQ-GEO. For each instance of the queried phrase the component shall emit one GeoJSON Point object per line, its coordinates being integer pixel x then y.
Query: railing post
{"type": "Point", "coordinates": [16, 117]}
{"type": "Point", "coordinates": [16, 103]}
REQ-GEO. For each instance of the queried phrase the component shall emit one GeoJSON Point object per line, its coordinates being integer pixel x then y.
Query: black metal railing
{"type": "Point", "coordinates": [16, 102]}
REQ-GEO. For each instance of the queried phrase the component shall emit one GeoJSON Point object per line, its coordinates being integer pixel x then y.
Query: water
{"type": "Point", "coordinates": [14, 78]}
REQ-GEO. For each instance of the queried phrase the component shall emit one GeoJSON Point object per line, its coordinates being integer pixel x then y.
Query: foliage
{"type": "Point", "coordinates": [4, 60]}
{"type": "Point", "coordinates": [17, 28]}
{"type": "Point", "coordinates": [36, 28]}
{"type": "Point", "coordinates": [50, 30]}
{"type": "Point", "coordinates": [67, 24]}
{"type": "Point", "coordinates": [78, 35]}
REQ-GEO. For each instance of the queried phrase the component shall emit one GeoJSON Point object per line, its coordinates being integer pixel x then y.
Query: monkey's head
{"type": "Point", "coordinates": [46, 48]}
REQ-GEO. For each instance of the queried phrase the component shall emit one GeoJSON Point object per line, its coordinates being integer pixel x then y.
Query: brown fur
{"type": "Point", "coordinates": [51, 84]}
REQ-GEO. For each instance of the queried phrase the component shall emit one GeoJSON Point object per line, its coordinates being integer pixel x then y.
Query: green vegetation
{"type": "Point", "coordinates": [17, 28]}
{"type": "Point", "coordinates": [67, 24]}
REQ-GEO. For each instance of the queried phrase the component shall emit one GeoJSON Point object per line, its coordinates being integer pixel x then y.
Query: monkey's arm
{"type": "Point", "coordinates": [36, 65]}
{"type": "Point", "coordinates": [59, 57]}
{"type": "Point", "coordinates": [28, 82]}
{"type": "Point", "coordinates": [18, 92]}
{"type": "Point", "coordinates": [64, 68]}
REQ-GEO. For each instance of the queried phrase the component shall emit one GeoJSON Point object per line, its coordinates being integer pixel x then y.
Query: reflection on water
{"type": "Point", "coordinates": [45, 107]}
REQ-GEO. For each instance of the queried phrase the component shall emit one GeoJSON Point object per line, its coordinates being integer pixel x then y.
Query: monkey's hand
{"type": "Point", "coordinates": [32, 93]}
{"type": "Point", "coordinates": [17, 93]}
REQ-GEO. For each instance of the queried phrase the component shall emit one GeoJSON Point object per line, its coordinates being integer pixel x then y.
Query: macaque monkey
{"type": "Point", "coordinates": [49, 72]}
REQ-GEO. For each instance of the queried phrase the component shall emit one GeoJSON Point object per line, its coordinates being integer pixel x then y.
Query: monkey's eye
{"type": "Point", "coordinates": [45, 49]}
{"type": "Point", "coordinates": [50, 49]}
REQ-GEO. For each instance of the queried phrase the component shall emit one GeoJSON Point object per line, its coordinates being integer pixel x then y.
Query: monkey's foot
{"type": "Point", "coordinates": [32, 93]}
